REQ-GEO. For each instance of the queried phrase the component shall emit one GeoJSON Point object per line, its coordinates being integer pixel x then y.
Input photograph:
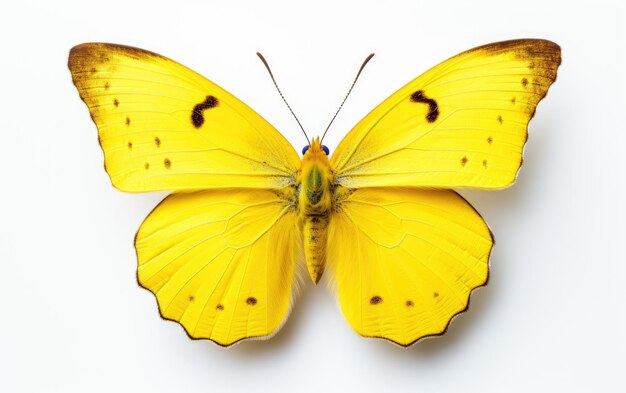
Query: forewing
{"type": "Point", "coordinates": [461, 124]}
{"type": "Point", "coordinates": [164, 127]}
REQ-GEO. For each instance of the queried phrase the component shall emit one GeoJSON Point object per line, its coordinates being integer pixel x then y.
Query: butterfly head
{"type": "Point", "coordinates": [315, 154]}
{"type": "Point", "coordinates": [316, 147]}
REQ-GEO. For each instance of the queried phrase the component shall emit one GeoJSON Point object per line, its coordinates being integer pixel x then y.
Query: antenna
{"type": "Point", "coordinates": [367, 59]}
{"type": "Point", "coordinates": [281, 94]}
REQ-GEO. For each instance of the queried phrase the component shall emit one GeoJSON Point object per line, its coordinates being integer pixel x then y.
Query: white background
{"type": "Point", "coordinates": [72, 318]}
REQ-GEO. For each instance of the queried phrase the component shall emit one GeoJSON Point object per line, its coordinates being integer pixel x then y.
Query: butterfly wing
{"type": "Point", "coordinates": [164, 127]}
{"type": "Point", "coordinates": [221, 262]}
{"type": "Point", "coordinates": [461, 124]}
{"type": "Point", "coordinates": [406, 260]}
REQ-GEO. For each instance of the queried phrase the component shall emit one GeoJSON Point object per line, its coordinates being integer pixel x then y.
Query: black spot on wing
{"type": "Point", "coordinates": [433, 107]}
{"type": "Point", "coordinates": [197, 115]}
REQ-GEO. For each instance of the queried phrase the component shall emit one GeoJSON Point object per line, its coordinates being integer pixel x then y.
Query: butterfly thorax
{"type": "Point", "coordinates": [314, 202]}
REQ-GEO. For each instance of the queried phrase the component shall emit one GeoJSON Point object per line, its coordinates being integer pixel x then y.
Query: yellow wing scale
{"type": "Point", "coordinates": [164, 127]}
{"type": "Point", "coordinates": [220, 262]}
{"type": "Point", "coordinates": [461, 124]}
{"type": "Point", "coordinates": [405, 261]}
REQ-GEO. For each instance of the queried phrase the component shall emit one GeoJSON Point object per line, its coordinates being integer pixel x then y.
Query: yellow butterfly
{"type": "Point", "coordinates": [402, 248]}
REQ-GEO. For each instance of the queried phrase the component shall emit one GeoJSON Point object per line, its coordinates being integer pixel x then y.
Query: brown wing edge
{"type": "Point", "coordinates": [88, 55]}
{"type": "Point", "coordinates": [527, 48]}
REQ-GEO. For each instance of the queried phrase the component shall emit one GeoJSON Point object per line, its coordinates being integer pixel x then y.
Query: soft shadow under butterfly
{"type": "Point", "coordinates": [404, 250]}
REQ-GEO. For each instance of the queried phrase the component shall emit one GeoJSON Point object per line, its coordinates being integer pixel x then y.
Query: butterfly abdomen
{"type": "Point", "coordinates": [314, 233]}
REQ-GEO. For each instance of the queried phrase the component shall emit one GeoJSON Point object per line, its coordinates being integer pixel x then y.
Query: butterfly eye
{"type": "Point", "coordinates": [304, 149]}
{"type": "Point", "coordinates": [325, 150]}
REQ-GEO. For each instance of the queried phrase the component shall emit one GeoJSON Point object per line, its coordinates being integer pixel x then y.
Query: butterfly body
{"type": "Point", "coordinates": [315, 185]}
{"type": "Point", "coordinates": [403, 250]}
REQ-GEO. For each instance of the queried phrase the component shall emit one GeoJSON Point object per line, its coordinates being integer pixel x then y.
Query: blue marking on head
{"type": "Point", "coordinates": [306, 148]}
